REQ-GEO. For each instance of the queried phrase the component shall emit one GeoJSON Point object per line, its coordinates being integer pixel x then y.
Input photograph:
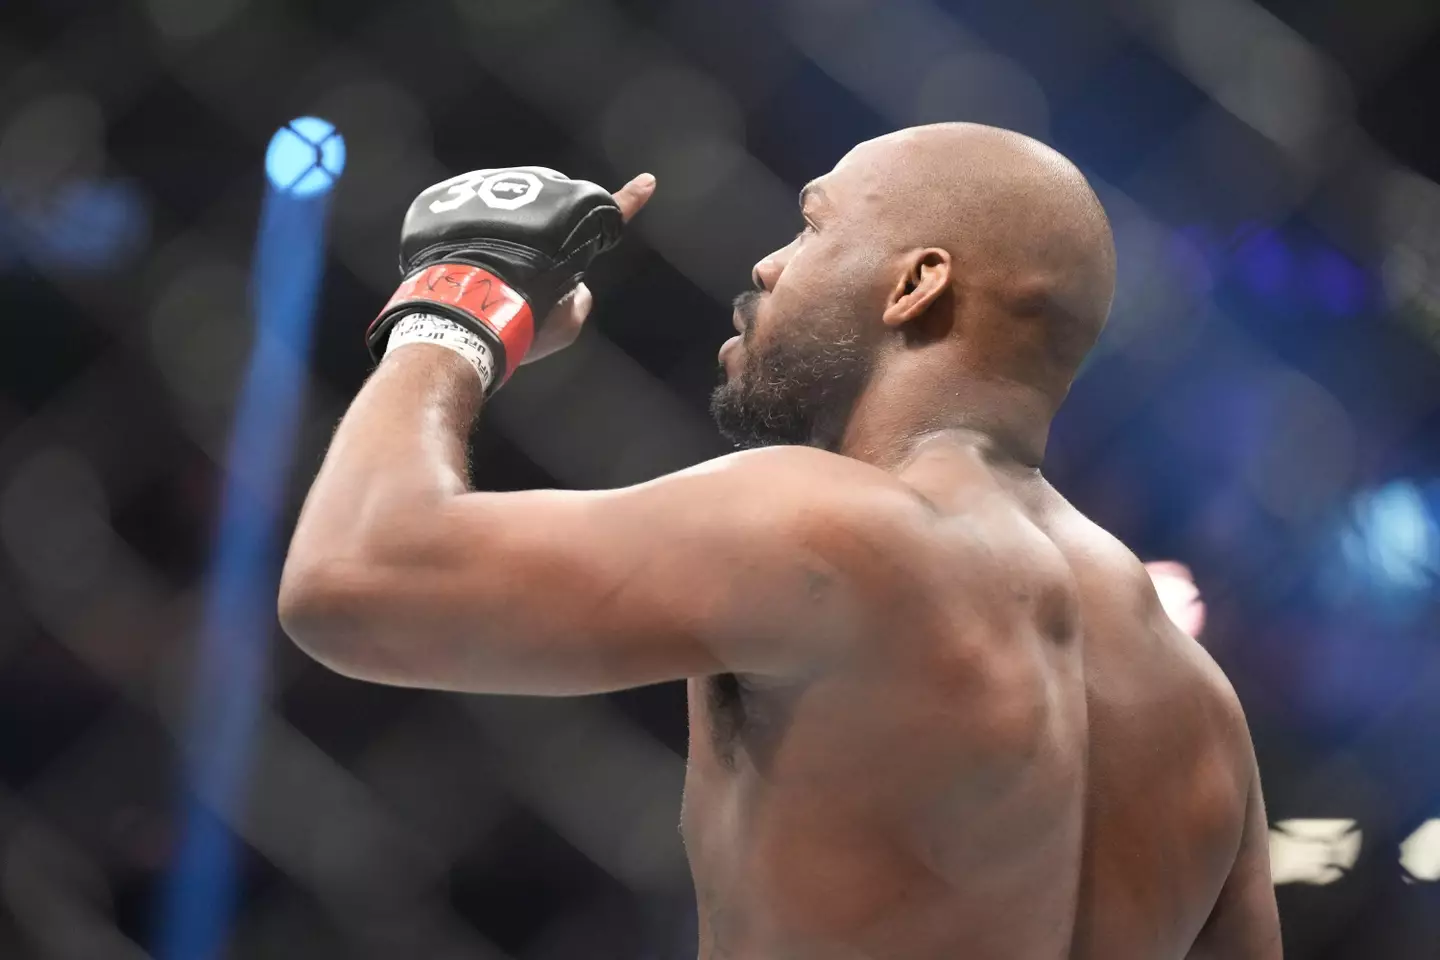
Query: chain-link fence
{"type": "Point", "coordinates": [1265, 406]}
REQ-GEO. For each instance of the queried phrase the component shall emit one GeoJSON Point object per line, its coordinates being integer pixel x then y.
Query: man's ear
{"type": "Point", "coordinates": [926, 278]}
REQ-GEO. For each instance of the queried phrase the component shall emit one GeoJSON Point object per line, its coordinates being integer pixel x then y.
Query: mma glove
{"type": "Point", "coordinates": [486, 256]}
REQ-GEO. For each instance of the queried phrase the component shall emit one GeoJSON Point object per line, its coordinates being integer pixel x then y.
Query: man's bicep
{"type": "Point", "coordinates": [703, 574]}
{"type": "Point", "coordinates": [743, 567]}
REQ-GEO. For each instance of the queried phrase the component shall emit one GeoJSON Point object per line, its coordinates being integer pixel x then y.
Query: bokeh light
{"type": "Point", "coordinates": [1263, 407]}
{"type": "Point", "coordinates": [305, 157]}
{"type": "Point", "coordinates": [1392, 541]}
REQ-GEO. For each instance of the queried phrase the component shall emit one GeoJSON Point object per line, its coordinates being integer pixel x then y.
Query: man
{"type": "Point", "coordinates": [934, 711]}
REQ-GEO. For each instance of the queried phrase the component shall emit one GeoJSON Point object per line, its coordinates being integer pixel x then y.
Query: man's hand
{"type": "Point", "coordinates": [490, 257]}
{"type": "Point", "coordinates": [562, 325]}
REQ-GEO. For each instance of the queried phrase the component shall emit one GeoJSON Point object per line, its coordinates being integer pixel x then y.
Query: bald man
{"type": "Point", "coordinates": [935, 712]}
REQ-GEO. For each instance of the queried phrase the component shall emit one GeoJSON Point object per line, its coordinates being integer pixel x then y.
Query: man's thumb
{"type": "Point", "coordinates": [634, 195]}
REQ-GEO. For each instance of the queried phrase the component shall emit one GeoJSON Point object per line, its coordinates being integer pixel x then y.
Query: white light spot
{"type": "Point", "coordinates": [1317, 852]}
{"type": "Point", "coordinates": [1420, 853]}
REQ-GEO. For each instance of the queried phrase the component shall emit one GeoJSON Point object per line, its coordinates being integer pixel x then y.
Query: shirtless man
{"type": "Point", "coordinates": [935, 712]}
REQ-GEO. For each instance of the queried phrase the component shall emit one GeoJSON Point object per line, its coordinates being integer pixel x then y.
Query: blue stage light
{"type": "Point", "coordinates": [305, 157]}
{"type": "Point", "coordinates": [233, 648]}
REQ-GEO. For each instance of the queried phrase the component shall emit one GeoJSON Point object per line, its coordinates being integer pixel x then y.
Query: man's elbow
{"type": "Point", "coordinates": [321, 608]}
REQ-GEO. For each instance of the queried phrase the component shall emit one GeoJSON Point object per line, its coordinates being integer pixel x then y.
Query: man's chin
{"type": "Point", "coordinates": [729, 420]}
{"type": "Point", "coordinates": [745, 424]}
{"type": "Point", "coordinates": [792, 398]}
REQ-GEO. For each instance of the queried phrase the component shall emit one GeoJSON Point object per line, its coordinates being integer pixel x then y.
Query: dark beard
{"type": "Point", "coordinates": [797, 392]}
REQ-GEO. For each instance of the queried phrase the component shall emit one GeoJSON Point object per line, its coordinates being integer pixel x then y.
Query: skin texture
{"type": "Point", "coordinates": [934, 711]}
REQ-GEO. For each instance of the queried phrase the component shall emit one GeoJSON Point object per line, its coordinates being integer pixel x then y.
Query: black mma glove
{"type": "Point", "coordinates": [494, 251]}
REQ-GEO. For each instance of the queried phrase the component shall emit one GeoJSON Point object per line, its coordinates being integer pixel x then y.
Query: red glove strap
{"type": "Point", "coordinates": [480, 294]}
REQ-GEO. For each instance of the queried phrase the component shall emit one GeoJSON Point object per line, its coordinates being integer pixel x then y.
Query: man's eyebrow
{"type": "Point", "coordinates": [808, 191]}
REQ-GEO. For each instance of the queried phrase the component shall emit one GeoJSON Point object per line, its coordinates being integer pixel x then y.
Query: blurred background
{"type": "Point", "coordinates": [188, 274]}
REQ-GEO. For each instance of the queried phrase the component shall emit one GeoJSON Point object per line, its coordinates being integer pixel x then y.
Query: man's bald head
{"type": "Point", "coordinates": [931, 258]}
{"type": "Point", "coordinates": [1033, 255]}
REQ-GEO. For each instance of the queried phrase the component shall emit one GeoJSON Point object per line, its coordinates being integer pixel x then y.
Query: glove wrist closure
{"type": "Point", "coordinates": [474, 298]}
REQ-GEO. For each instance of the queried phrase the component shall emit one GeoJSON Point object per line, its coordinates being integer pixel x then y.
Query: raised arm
{"type": "Point", "coordinates": [764, 562]}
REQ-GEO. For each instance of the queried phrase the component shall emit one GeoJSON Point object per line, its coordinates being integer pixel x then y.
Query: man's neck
{"type": "Point", "coordinates": [912, 402]}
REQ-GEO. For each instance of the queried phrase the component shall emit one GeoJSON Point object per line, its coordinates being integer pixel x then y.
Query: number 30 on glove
{"type": "Point", "coordinates": [493, 251]}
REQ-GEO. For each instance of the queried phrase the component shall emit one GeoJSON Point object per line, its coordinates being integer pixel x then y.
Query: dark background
{"type": "Point", "coordinates": [1264, 407]}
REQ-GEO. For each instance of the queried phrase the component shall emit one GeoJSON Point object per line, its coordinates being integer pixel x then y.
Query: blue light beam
{"type": "Point", "coordinates": [304, 159]}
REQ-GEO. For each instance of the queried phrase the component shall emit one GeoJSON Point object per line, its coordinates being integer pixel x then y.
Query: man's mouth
{"type": "Point", "coordinates": [746, 305]}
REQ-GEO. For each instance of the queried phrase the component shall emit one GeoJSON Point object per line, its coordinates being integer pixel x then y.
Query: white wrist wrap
{"type": "Point", "coordinates": [443, 332]}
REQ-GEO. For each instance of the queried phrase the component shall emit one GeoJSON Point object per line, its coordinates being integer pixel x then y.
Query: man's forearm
{"type": "Point", "coordinates": [386, 577]}
{"type": "Point", "coordinates": [398, 453]}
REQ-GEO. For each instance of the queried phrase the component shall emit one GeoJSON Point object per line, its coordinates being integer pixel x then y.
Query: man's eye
{"type": "Point", "coordinates": [808, 228]}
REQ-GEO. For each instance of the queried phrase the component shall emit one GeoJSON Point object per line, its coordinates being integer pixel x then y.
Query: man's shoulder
{"type": "Point", "coordinates": [799, 467]}
{"type": "Point", "coordinates": [1129, 589]}
{"type": "Point", "coordinates": [978, 542]}
{"type": "Point", "coordinates": [799, 489]}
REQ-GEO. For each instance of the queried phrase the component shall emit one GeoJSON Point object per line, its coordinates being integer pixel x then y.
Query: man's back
{"type": "Point", "coordinates": [1034, 764]}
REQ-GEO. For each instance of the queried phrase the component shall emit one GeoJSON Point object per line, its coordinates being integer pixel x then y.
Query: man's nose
{"type": "Point", "coordinates": [765, 273]}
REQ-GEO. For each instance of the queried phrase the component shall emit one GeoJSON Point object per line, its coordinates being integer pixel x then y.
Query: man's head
{"type": "Point", "coordinates": [956, 247]}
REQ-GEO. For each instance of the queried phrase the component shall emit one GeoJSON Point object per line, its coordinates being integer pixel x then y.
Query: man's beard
{"type": "Point", "coordinates": [799, 390]}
